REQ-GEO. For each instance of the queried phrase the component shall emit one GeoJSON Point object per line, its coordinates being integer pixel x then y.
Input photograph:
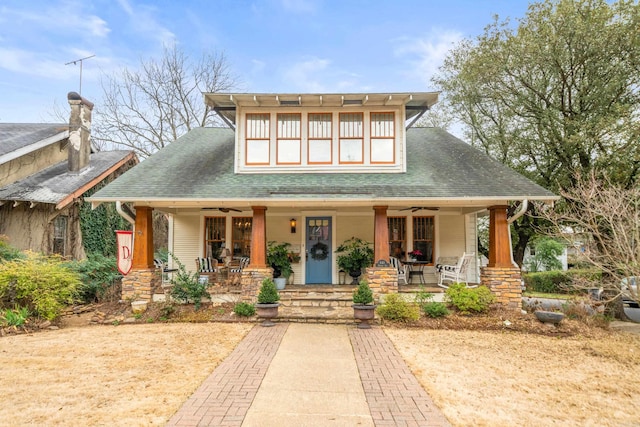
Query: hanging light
{"type": "Point", "coordinates": [293, 223]}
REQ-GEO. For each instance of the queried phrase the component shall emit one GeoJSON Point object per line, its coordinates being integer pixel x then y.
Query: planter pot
{"type": "Point", "coordinates": [355, 275]}
{"type": "Point", "coordinates": [267, 312]}
{"type": "Point", "coordinates": [280, 282]}
{"type": "Point", "coordinates": [551, 317]}
{"type": "Point", "coordinates": [364, 313]}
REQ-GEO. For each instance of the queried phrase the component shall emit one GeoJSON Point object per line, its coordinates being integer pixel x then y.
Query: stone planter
{"type": "Point", "coordinates": [549, 317]}
{"type": "Point", "coordinates": [138, 307]}
{"type": "Point", "coordinates": [364, 313]}
{"type": "Point", "coordinates": [267, 312]}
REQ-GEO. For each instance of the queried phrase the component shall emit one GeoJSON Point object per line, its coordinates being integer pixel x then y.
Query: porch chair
{"type": "Point", "coordinates": [455, 273]}
{"type": "Point", "coordinates": [235, 271]}
{"type": "Point", "coordinates": [208, 267]}
{"type": "Point", "coordinates": [402, 272]}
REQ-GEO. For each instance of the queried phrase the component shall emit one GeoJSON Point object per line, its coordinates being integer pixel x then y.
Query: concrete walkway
{"type": "Point", "coordinates": [311, 375]}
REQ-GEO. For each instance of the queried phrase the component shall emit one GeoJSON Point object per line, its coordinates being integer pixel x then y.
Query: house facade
{"type": "Point", "coordinates": [314, 170]}
{"type": "Point", "coordinates": [45, 169]}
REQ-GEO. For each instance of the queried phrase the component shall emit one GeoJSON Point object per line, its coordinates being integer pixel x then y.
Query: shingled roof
{"type": "Point", "coordinates": [20, 138]}
{"type": "Point", "coordinates": [199, 168]}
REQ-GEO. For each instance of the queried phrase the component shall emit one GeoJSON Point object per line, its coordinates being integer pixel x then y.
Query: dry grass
{"type": "Point", "coordinates": [486, 374]}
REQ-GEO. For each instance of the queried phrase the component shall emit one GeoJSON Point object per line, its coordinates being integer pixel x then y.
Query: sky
{"type": "Point", "coordinates": [271, 46]}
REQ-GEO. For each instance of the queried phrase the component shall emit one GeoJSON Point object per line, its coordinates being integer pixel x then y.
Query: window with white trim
{"type": "Point", "coordinates": [382, 138]}
{"type": "Point", "coordinates": [288, 141]}
{"type": "Point", "coordinates": [319, 151]}
{"type": "Point", "coordinates": [257, 139]}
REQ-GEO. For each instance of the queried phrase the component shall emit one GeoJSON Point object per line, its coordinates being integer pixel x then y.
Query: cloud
{"type": "Point", "coordinates": [427, 54]}
{"type": "Point", "coordinates": [306, 75]}
{"type": "Point", "coordinates": [142, 21]}
{"type": "Point", "coordinates": [299, 6]}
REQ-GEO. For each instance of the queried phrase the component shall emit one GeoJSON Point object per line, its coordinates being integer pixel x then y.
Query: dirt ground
{"type": "Point", "coordinates": [500, 369]}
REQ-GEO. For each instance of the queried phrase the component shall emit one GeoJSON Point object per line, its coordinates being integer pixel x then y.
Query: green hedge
{"type": "Point", "coordinates": [558, 282]}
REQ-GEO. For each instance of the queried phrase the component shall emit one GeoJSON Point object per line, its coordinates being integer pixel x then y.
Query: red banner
{"type": "Point", "coordinates": [124, 241]}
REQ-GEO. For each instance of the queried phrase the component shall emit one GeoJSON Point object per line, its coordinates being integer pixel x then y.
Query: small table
{"type": "Point", "coordinates": [415, 268]}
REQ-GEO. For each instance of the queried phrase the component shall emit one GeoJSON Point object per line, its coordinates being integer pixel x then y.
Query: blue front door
{"type": "Point", "coordinates": [318, 256]}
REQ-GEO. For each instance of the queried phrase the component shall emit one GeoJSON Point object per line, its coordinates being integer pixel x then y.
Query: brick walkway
{"type": "Point", "coordinates": [224, 397]}
{"type": "Point", "coordinates": [394, 395]}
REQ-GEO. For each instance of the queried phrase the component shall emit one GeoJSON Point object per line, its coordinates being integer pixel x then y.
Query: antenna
{"type": "Point", "coordinates": [80, 61]}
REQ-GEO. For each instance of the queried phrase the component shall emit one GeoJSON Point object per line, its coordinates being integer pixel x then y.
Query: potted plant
{"type": "Point", "coordinates": [363, 307]}
{"type": "Point", "coordinates": [414, 254]}
{"type": "Point", "coordinates": [278, 259]}
{"type": "Point", "coordinates": [268, 297]}
{"type": "Point", "coordinates": [355, 254]}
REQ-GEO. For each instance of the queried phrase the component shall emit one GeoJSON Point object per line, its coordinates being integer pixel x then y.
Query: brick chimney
{"type": "Point", "coordinates": [79, 132]}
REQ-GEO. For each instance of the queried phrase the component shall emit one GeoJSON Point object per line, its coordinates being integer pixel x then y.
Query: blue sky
{"type": "Point", "coordinates": [292, 46]}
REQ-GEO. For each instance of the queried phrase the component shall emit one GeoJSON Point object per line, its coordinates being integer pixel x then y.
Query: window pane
{"type": "Point", "coordinates": [319, 125]}
{"type": "Point", "coordinates": [214, 236]}
{"type": "Point", "coordinates": [382, 125]}
{"type": "Point", "coordinates": [289, 126]}
{"type": "Point", "coordinates": [258, 151]}
{"type": "Point", "coordinates": [289, 151]}
{"type": "Point", "coordinates": [397, 237]}
{"type": "Point", "coordinates": [351, 151]}
{"type": "Point", "coordinates": [241, 236]}
{"type": "Point", "coordinates": [423, 237]}
{"type": "Point", "coordinates": [320, 151]}
{"type": "Point", "coordinates": [351, 125]}
{"type": "Point", "coordinates": [60, 235]}
{"type": "Point", "coordinates": [257, 126]}
{"type": "Point", "coordinates": [382, 150]}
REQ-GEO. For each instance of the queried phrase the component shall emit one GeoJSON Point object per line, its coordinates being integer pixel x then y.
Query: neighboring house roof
{"type": "Point", "coordinates": [57, 185]}
{"type": "Point", "coordinates": [199, 167]}
{"type": "Point", "coordinates": [19, 139]}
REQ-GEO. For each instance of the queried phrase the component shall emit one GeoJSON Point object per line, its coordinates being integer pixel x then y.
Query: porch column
{"type": "Point", "coordinates": [499, 247]}
{"type": "Point", "coordinates": [143, 278]}
{"type": "Point", "coordinates": [259, 237]}
{"type": "Point", "coordinates": [500, 276]}
{"type": "Point", "coordinates": [380, 235]}
{"type": "Point", "coordinates": [143, 238]}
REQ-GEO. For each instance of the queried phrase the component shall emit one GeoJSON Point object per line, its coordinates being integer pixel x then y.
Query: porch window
{"type": "Point", "coordinates": [351, 138]}
{"type": "Point", "coordinates": [214, 235]}
{"type": "Point", "coordinates": [423, 237]}
{"type": "Point", "coordinates": [241, 236]}
{"type": "Point", "coordinates": [288, 141]}
{"type": "Point", "coordinates": [319, 144]}
{"type": "Point", "coordinates": [257, 139]}
{"type": "Point", "coordinates": [382, 138]}
{"type": "Point", "coordinates": [397, 237]}
{"type": "Point", "coordinates": [60, 235]}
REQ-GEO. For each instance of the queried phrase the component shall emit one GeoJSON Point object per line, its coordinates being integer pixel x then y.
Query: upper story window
{"type": "Point", "coordinates": [258, 136]}
{"type": "Point", "coordinates": [288, 138]}
{"type": "Point", "coordinates": [319, 144]}
{"type": "Point", "coordinates": [382, 138]}
{"type": "Point", "coordinates": [351, 138]}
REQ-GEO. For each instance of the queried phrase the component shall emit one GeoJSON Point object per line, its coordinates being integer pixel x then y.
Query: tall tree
{"type": "Point", "coordinates": [148, 108]}
{"type": "Point", "coordinates": [556, 96]}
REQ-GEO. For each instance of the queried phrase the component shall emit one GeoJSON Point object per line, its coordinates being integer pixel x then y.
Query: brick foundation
{"type": "Point", "coordinates": [251, 281]}
{"type": "Point", "coordinates": [505, 283]}
{"type": "Point", "coordinates": [382, 280]}
{"type": "Point", "coordinates": [139, 285]}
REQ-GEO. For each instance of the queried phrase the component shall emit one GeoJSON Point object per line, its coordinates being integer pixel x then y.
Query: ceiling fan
{"type": "Point", "coordinates": [225, 210]}
{"type": "Point", "coordinates": [417, 208]}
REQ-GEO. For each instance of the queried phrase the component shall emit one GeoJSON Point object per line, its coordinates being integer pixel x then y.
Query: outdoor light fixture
{"type": "Point", "coordinates": [293, 223]}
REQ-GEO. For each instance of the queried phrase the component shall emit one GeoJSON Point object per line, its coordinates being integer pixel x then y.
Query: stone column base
{"type": "Point", "coordinates": [505, 283]}
{"type": "Point", "coordinates": [140, 284]}
{"type": "Point", "coordinates": [382, 280]}
{"type": "Point", "coordinates": [251, 281]}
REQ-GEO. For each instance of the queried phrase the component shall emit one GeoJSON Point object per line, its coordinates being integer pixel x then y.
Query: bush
{"type": "Point", "coordinates": [396, 308]}
{"type": "Point", "coordinates": [186, 286]}
{"type": "Point", "coordinates": [268, 292]}
{"type": "Point", "coordinates": [558, 282]}
{"type": "Point", "coordinates": [44, 285]}
{"type": "Point", "coordinates": [469, 300]}
{"type": "Point", "coordinates": [244, 309]}
{"type": "Point", "coordinates": [14, 317]}
{"type": "Point", "coordinates": [98, 274]}
{"type": "Point", "coordinates": [363, 294]}
{"type": "Point", "coordinates": [8, 252]}
{"type": "Point", "coordinates": [546, 257]}
{"type": "Point", "coordinates": [435, 309]}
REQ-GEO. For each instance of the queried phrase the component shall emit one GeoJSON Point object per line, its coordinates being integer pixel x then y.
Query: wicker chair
{"type": "Point", "coordinates": [208, 267]}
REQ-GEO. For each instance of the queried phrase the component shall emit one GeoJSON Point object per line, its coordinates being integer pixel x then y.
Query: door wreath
{"type": "Point", "coordinates": [319, 251]}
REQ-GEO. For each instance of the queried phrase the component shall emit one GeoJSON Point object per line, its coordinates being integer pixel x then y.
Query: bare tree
{"type": "Point", "coordinates": [605, 217]}
{"type": "Point", "coordinates": [148, 108]}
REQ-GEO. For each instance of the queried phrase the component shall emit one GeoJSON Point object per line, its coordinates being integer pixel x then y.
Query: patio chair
{"type": "Point", "coordinates": [235, 271]}
{"type": "Point", "coordinates": [402, 272]}
{"type": "Point", "coordinates": [455, 273]}
{"type": "Point", "coordinates": [208, 267]}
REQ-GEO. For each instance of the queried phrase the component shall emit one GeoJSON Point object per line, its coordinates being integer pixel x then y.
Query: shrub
{"type": "Point", "coordinates": [268, 292]}
{"type": "Point", "coordinates": [8, 252]}
{"type": "Point", "coordinates": [546, 257]}
{"type": "Point", "coordinates": [396, 308]}
{"type": "Point", "coordinates": [363, 294]}
{"type": "Point", "coordinates": [244, 309]}
{"type": "Point", "coordinates": [42, 284]}
{"type": "Point", "coordinates": [559, 281]}
{"type": "Point", "coordinates": [186, 286]}
{"type": "Point", "coordinates": [14, 317]}
{"type": "Point", "coordinates": [469, 300]}
{"type": "Point", "coordinates": [98, 274]}
{"type": "Point", "coordinates": [435, 309]}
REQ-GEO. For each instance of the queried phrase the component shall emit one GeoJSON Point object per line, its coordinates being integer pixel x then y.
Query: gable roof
{"type": "Point", "coordinates": [57, 185]}
{"type": "Point", "coordinates": [198, 170]}
{"type": "Point", "coordinates": [19, 139]}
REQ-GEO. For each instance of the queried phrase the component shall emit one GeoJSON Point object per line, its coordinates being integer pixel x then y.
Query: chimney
{"type": "Point", "coordinates": [79, 132]}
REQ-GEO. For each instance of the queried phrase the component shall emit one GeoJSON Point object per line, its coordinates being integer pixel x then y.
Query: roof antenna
{"type": "Point", "coordinates": [80, 61]}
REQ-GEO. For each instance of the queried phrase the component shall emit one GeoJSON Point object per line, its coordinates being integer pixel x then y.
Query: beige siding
{"type": "Point", "coordinates": [452, 235]}
{"type": "Point", "coordinates": [187, 238]}
{"type": "Point", "coordinates": [279, 230]}
{"type": "Point", "coordinates": [354, 226]}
